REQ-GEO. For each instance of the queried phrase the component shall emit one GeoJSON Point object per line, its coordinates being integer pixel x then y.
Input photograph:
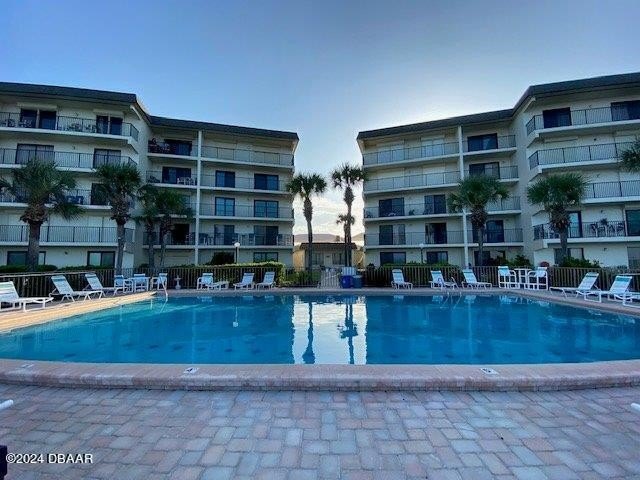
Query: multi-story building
{"type": "Point", "coordinates": [233, 178]}
{"type": "Point", "coordinates": [579, 126]}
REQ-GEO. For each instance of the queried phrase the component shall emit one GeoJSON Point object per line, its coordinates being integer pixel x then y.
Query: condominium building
{"type": "Point", "coordinates": [574, 126]}
{"type": "Point", "coordinates": [233, 178]}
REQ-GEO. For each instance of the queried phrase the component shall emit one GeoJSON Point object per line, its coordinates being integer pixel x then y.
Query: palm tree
{"type": "Point", "coordinates": [557, 194]}
{"type": "Point", "coordinates": [305, 186]}
{"type": "Point", "coordinates": [474, 194]}
{"type": "Point", "coordinates": [119, 185]}
{"type": "Point", "coordinates": [630, 158]}
{"type": "Point", "coordinates": [345, 221]}
{"type": "Point", "coordinates": [345, 177]}
{"type": "Point", "coordinates": [149, 219]}
{"type": "Point", "coordinates": [44, 189]}
{"type": "Point", "coordinates": [169, 204]}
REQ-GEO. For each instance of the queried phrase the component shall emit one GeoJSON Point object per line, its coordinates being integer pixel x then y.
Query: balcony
{"type": "Point", "coordinates": [64, 234]}
{"type": "Point", "coordinates": [398, 155]}
{"type": "Point", "coordinates": [507, 204]}
{"type": "Point", "coordinates": [248, 156]}
{"type": "Point", "coordinates": [246, 211]}
{"type": "Point", "coordinates": [163, 148]}
{"type": "Point", "coordinates": [607, 153]}
{"type": "Point", "coordinates": [501, 142]}
{"type": "Point", "coordinates": [62, 159]}
{"type": "Point", "coordinates": [507, 172]}
{"type": "Point", "coordinates": [414, 239]}
{"type": "Point", "coordinates": [624, 189]}
{"type": "Point", "coordinates": [76, 197]}
{"type": "Point", "coordinates": [589, 116]}
{"type": "Point", "coordinates": [70, 124]}
{"type": "Point", "coordinates": [608, 229]}
{"type": "Point", "coordinates": [412, 181]}
{"type": "Point", "coordinates": [244, 183]}
{"type": "Point", "coordinates": [155, 176]}
{"type": "Point", "coordinates": [409, 210]}
{"type": "Point", "coordinates": [226, 240]}
{"type": "Point", "coordinates": [507, 235]}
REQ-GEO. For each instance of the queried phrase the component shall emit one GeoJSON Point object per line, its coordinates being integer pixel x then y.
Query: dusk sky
{"type": "Point", "coordinates": [324, 69]}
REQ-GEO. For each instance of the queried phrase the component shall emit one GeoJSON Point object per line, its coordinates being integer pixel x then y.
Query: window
{"type": "Point", "coordinates": [633, 222]}
{"type": "Point", "coordinates": [337, 258]}
{"type": "Point", "coordinates": [265, 208]}
{"type": "Point", "coordinates": [179, 233]}
{"type": "Point", "coordinates": [487, 141]}
{"type": "Point", "coordinates": [101, 259]}
{"type": "Point", "coordinates": [28, 118]}
{"type": "Point", "coordinates": [265, 234]}
{"type": "Point", "coordinates": [577, 253]}
{"type": "Point", "coordinates": [225, 179]}
{"type": "Point", "coordinates": [178, 147]}
{"type": "Point", "coordinates": [387, 258]}
{"type": "Point", "coordinates": [490, 257]}
{"type": "Point", "coordinates": [392, 235]}
{"type": "Point", "coordinates": [173, 174]}
{"type": "Point", "coordinates": [435, 204]}
{"type": "Point", "coordinates": [20, 258]}
{"type": "Point", "coordinates": [557, 117]}
{"type": "Point", "coordinates": [391, 207]}
{"type": "Point", "coordinates": [98, 196]}
{"type": "Point", "coordinates": [491, 169]}
{"type": "Point", "coordinates": [262, 181]}
{"type": "Point", "coordinates": [259, 257]}
{"type": "Point", "coordinates": [224, 234]}
{"type": "Point", "coordinates": [494, 231]}
{"type": "Point", "coordinates": [436, 257]}
{"type": "Point", "coordinates": [108, 125]}
{"type": "Point", "coordinates": [105, 156]}
{"type": "Point", "coordinates": [26, 152]}
{"type": "Point", "coordinates": [225, 207]}
{"type": "Point", "coordinates": [625, 110]}
{"type": "Point", "coordinates": [575, 225]}
{"type": "Point", "coordinates": [634, 256]}
{"type": "Point", "coordinates": [436, 233]}
{"type": "Point", "coordinates": [47, 120]}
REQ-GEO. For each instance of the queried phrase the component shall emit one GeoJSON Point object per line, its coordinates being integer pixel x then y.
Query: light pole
{"type": "Point", "coordinates": [237, 245]}
{"type": "Point", "coordinates": [421, 252]}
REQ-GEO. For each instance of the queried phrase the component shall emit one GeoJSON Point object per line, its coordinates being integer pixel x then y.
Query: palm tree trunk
{"type": "Point", "coordinates": [33, 250]}
{"type": "Point", "coordinates": [564, 245]}
{"type": "Point", "coordinates": [120, 250]}
{"type": "Point", "coordinates": [480, 245]}
{"type": "Point", "coordinates": [151, 249]}
{"type": "Point", "coordinates": [347, 239]}
{"type": "Point", "coordinates": [163, 248]}
{"type": "Point", "coordinates": [310, 240]}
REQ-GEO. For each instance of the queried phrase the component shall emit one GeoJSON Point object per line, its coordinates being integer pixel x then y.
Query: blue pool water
{"type": "Point", "coordinates": [340, 329]}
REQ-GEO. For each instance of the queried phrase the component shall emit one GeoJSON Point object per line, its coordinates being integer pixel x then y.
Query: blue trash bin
{"type": "Point", "coordinates": [357, 281]}
{"type": "Point", "coordinates": [346, 281]}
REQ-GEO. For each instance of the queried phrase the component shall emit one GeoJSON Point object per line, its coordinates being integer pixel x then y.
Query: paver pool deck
{"type": "Point", "coordinates": [132, 434]}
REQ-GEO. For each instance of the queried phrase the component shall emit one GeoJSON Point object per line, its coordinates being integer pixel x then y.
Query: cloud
{"type": "Point", "coordinates": [325, 213]}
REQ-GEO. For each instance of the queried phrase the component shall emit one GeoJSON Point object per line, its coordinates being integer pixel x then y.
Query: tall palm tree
{"type": "Point", "coordinates": [169, 204]}
{"type": "Point", "coordinates": [345, 221]}
{"type": "Point", "coordinates": [305, 186]}
{"type": "Point", "coordinates": [148, 218]}
{"type": "Point", "coordinates": [630, 158]}
{"type": "Point", "coordinates": [557, 194]}
{"type": "Point", "coordinates": [345, 177]}
{"type": "Point", "coordinates": [474, 194]}
{"type": "Point", "coordinates": [44, 189]}
{"type": "Point", "coordinates": [119, 185]}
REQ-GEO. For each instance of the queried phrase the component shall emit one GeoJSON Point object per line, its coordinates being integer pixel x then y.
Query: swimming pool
{"type": "Point", "coordinates": [321, 329]}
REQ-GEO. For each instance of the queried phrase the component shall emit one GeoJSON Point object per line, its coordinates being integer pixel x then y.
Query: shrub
{"type": "Point", "coordinates": [519, 261]}
{"type": "Point", "coordinates": [580, 263]}
{"type": "Point", "coordinates": [23, 268]}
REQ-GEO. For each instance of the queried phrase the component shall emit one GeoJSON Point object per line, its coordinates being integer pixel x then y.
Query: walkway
{"type": "Point", "coordinates": [587, 434]}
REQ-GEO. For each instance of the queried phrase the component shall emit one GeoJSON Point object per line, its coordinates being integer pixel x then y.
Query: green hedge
{"type": "Point", "coordinates": [23, 268]}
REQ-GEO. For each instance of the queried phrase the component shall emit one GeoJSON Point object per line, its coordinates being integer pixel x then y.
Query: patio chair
{"type": "Point", "coordinates": [537, 279]}
{"type": "Point", "coordinates": [159, 282]}
{"type": "Point", "coordinates": [95, 284]}
{"type": "Point", "coordinates": [438, 281]}
{"type": "Point", "coordinates": [507, 278]}
{"type": "Point", "coordinates": [619, 291]}
{"type": "Point", "coordinates": [398, 280]}
{"type": "Point", "coordinates": [207, 281]}
{"type": "Point", "coordinates": [9, 294]}
{"type": "Point", "coordinates": [140, 282]}
{"type": "Point", "coordinates": [125, 283]}
{"type": "Point", "coordinates": [471, 281]}
{"type": "Point", "coordinates": [246, 283]}
{"type": "Point", "coordinates": [586, 285]}
{"type": "Point", "coordinates": [63, 288]}
{"type": "Point", "coordinates": [268, 281]}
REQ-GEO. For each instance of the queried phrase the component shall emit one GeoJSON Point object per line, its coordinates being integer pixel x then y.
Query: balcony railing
{"type": "Point", "coordinates": [410, 153]}
{"type": "Point", "coordinates": [608, 229]}
{"type": "Point", "coordinates": [70, 124]}
{"type": "Point", "coordinates": [245, 183]}
{"type": "Point", "coordinates": [585, 153]}
{"type": "Point", "coordinates": [62, 159]}
{"type": "Point", "coordinates": [410, 181]}
{"type": "Point", "coordinates": [64, 234]}
{"type": "Point", "coordinates": [510, 203]}
{"type": "Point", "coordinates": [155, 176]}
{"type": "Point", "coordinates": [506, 141]}
{"type": "Point", "coordinates": [507, 235]}
{"type": "Point", "coordinates": [506, 172]}
{"type": "Point", "coordinates": [408, 210]}
{"type": "Point", "coordinates": [221, 239]}
{"type": "Point", "coordinates": [414, 238]}
{"type": "Point", "coordinates": [589, 116]}
{"type": "Point", "coordinates": [172, 149]}
{"type": "Point", "coordinates": [629, 188]}
{"type": "Point", "coordinates": [247, 156]}
{"type": "Point", "coordinates": [75, 196]}
{"type": "Point", "coordinates": [246, 211]}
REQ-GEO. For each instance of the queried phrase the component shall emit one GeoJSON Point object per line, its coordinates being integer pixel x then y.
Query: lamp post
{"type": "Point", "coordinates": [237, 245]}
{"type": "Point", "coordinates": [421, 252]}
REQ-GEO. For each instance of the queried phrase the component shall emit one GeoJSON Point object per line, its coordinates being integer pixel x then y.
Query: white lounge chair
{"type": "Point", "coordinates": [140, 282]}
{"type": "Point", "coordinates": [507, 278]}
{"type": "Point", "coordinates": [63, 288]}
{"type": "Point", "coordinates": [398, 280]}
{"type": "Point", "coordinates": [537, 279]}
{"type": "Point", "coordinates": [245, 283]}
{"type": "Point", "coordinates": [619, 290]}
{"type": "Point", "coordinates": [471, 281]}
{"type": "Point", "coordinates": [9, 294]}
{"type": "Point", "coordinates": [268, 281]}
{"type": "Point", "coordinates": [160, 282]}
{"type": "Point", "coordinates": [207, 281]}
{"type": "Point", "coordinates": [125, 283]}
{"type": "Point", "coordinates": [95, 284]}
{"type": "Point", "coordinates": [438, 281]}
{"type": "Point", "coordinates": [586, 285]}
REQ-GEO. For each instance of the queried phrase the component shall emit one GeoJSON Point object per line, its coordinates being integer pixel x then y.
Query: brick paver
{"type": "Point", "coordinates": [323, 435]}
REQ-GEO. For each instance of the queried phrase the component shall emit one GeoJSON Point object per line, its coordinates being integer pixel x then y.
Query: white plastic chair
{"type": "Point", "coordinates": [537, 279]}
{"type": "Point", "coordinates": [471, 281]}
{"type": "Point", "coordinates": [438, 281]}
{"type": "Point", "coordinates": [507, 278]}
{"type": "Point", "coordinates": [95, 284]}
{"type": "Point", "coordinates": [586, 285]}
{"type": "Point", "coordinates": [9, 294]}
{"type": "Point", "coordinates": [246, 283]}
{"type": "Point", "coordinates": [63, 288]}
{"type": "Point", "coordinates": [268, 281]}
{"type": "Point", "coordinates": [619, 290]}
{"type": "Point", "coordinates": [398, 280]}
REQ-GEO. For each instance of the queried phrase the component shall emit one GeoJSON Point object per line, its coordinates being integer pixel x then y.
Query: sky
{"type": "Point", "coordinates": [324, 69]}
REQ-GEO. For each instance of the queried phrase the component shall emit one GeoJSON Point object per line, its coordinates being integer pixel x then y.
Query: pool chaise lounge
{"type": "Point", "coordinates": [268, 281]}
{"type": "Point", "coordinates": [95, 284]}
{"type": "Point", "coordinates": [586, 286]}
{"type": "Point", "coordinates": [207, 281]}
{"type": "Point", "coordinates": [246, 283]}
{"type": "Point", "coordinates": [438, 281]}
{"type": "Point", "coordinates": [9, 294]}
{"type": "Point", "coordinates": [398, 280]}
{"type": "Point", "coordinates": [471, 281]}
{"type": "Point", "coordinates": [619, 291]}
{"type": "Point", "coordinates": [63, 288]}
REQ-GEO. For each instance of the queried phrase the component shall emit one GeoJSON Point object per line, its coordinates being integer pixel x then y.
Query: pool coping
{"type": "Point", "coordinates": [517, 377]}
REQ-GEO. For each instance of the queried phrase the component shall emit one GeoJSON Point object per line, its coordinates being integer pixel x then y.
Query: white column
{"type": "Point", "coordinates": [198, 184]}
{"type": "Point", "coordinates": [464, 213]}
